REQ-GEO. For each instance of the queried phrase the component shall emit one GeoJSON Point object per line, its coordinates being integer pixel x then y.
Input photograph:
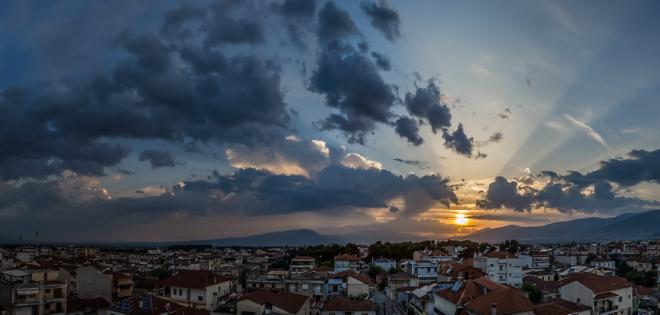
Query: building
{"type": "Point", "coordinates": [603, 294]}
{"type": "Point", "coordinates": [561, 307]}
{"type": "Point", "coordinates": [400, 280]}
{"type": "Point", "coordinates": [603, 263]}
{"type": "Point", "coordinates": [501, 267]}
{"type": "Point", "coordinates": [267, 301]}
{"type": "Point", "coordinates": [338, 305]}
{"type": "Point", "coordinates": [32, 293]}
{"type": "Point", "coordinates": [197, 289]}
{"type": "Point", "coordinates": [346, 262]}
{"type": "Point", "coordinates": [349, 284]}
{"type": "Point", "coordinates": [481, 296]}
{"type": "Point", "coordinates": [426, 271]}
{"type": "Point", "coordinates": [300, 265]}
{"type": "Point", "coordinates": [536, 261]}
{"type": "Point", "coordinates": [640, 264]}
{"type": "Point", "coordinates": [385, 264]}
{"type": "Point", "coordinates": [91, 283]}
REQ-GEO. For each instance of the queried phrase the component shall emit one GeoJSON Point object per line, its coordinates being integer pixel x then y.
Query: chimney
{"type": "Point", "coordinates": [493, 309]}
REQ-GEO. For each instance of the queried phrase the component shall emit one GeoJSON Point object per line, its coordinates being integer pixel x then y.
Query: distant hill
{"type": "Point", "coordinates": [629, 226]}
{"type": "Point", "coordinates": [290, 238]}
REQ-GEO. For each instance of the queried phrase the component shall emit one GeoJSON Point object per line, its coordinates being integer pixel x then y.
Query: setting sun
{"type": "Point", "coordinates": [461, 219]}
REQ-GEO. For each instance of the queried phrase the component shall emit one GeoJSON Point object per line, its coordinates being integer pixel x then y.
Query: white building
{"type": "Point", "coordinates": [197, 289]}
{"type": "Point", "coordinates": [604, 294]}
{"type": "Point", "coordinates": [426, 271]}
{"type": "Point", "coordinates": [501, 267]}
{"type": "Point", "coordinates": [346, 262]}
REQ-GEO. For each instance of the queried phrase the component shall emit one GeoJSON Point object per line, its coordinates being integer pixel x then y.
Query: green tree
{"type": "Point", "coordinates": [535, 294]}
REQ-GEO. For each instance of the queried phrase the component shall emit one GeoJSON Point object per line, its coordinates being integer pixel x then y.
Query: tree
{"type": "Point", "coordinates": [535, 294]}
{"type": "Point", "coordinates": [375, 271]}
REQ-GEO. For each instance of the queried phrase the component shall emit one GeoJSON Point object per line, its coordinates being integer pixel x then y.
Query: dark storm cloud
{"type": "Point", "coordinates": [224, 27]}
{"type": "Point", "coordinates": [502, 193]}
{"type": "Point", "coordinates": [349, 79]}
{"type": "Point", "coordinates": [335, 25]}
{"type": "Point", "coordinates": [383, 18]}
{"type": "Point", "coordinates": [407, 128]}
{"type": "Point", "coordinates": [575, 191]}
{"type": "Point", "coordinates": [640, 166]}
{"type": "Point", "coordinates": [458, 141]}
{"type": "Point", "coordinates": [163, 89]}
{"type": "Point", "coordinates": [158, 158]}
{"type": "Point", "coordinates": [297, 16]}
{"type": "Point", "coordinates": [382, 61]}
{"type": "Point", "coordinates": [425, 103]}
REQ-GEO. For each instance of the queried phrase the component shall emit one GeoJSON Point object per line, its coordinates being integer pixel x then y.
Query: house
{"type": "Point", "coordinates": [436, 256]}
{"type": "Point", "coordinates": [400, 280]}
{"type": "Point", "coordinates": [425, 270]}
{"type": "Point", "coordinates": [122, 284]}
{"type": "Point", "coordinates": [346, 262]}
{"type": "Point", "coordinates": [385, 264]}
{"type": "Point", "coordinates": [603, 294]}
{"type": "Point", "coordinates": [603, 263]}
{"type": "Point", "coordinates": [152, 305]}
{"type": "Point", "coordinates": [457, 271]}
{"type": "Point", "coordinates": [536, 261]}
{"type": "Point", "coordinates": [338, 305]}
{"type": "Point", "coordinates": [549, 289]}
{"type": "Point", "coordinates": [501, 267]}
{"type": "Point", "coordinates": [301, 264]}
{"type": "Point", "coordinates": [268, 301]}
{"type": "Point", "coordinates": [640, 264]}
{"type": "Point", "coordinates": [36, 292]}
{"type": "Point", "coordinates": [501, 302]}
{"type": "Point", "coordinates": [197, 289]}
{"type": "Point", "coordinates": [452, 300]}
{"type": "Point", "coordinates": [350, 284]}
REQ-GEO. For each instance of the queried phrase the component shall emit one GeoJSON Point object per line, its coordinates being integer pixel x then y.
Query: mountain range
{"type": "Point", "coordinates": [629, 226]}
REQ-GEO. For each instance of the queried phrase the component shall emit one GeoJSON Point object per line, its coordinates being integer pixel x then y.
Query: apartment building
{"type": "Point", "coordinates": [300, 265]}
{"type": "Point", "coordinates": [33, 292]}
{"type": "Point", "coordinates": [501, 267]}
{"type": "Point", "coordinates": [346, 262]}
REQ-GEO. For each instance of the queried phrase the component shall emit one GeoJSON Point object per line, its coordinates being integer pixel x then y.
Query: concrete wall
{"type": "Point", "coordinates": [91, 283]}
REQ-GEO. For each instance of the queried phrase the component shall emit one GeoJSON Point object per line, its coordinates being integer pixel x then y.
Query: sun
{"type": "Point", "coordinates": [461, 219]}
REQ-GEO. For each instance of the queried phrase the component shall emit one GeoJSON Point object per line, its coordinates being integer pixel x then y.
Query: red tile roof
{"type": "Point", "coordinates": [198, 279]}
{"type": "Point", "coordinates": [597, 283]}
{"type": "Point", "coordinates": [350, 273]}
{"type": "Point", "coordinates": [342, 304]}
{"type": "Point", "coordinates": [401, 276]}
{"type": "Point", "coordinates": [506, 301]}
{"type": "Point", "coordinates": [289, 302]}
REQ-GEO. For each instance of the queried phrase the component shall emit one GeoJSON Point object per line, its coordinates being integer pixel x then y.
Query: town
{"type": "Point", "coordinates": [428, 277]}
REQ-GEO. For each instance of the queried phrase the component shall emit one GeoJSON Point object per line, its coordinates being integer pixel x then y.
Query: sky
{"type": "Point", "coordinates": [393, 120]}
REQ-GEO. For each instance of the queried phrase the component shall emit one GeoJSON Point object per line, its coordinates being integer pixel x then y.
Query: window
{"type": "Point", "coordinates": [620, 299]}
{"type": "Point", "coordinates": [200, 298]}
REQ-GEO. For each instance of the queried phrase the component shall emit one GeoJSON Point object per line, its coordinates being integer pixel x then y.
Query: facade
{"type": "Point", "coordinates": [501, 267]}
{"type": "Point", "coordinates": [535, 261]}
{"type": "Point", "coordinates": [426, 271]}
{"type": "Point", "coordinates": [91, 283]}
{"type": "Point", "coordinates": [603, 294]}
{"type": "Point", "coordinates": [197, 289]}
{"type": "Point", "coordinates": [32, 293]}
{"type": "Point", "coordinates": [300, 265]}
{"type": "Point", "coordinates": [400, 280]}
{"type": "Point", "coordinates": [604, 263]}
{"type": "Point", "coordinates": [346, 262]}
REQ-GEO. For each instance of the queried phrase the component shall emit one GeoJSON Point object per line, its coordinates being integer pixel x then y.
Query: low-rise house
{"type": "Point", "coordinates": [350, 284]}
{"type": "Point", "coordinates": [338, 305]}
{"type": "Point", "coordinates": [603, 294]}
{"type": "Point", "coordinates": [603, 263]}
{"type": "Point", "coordinates": [505, 301]}
{"type": "Point", "coordinates": [385, 264]}
{"type": "Point", "coordinates": [453, 300]}
{"type": "Point", "coordinates": [536, 261]}
{"type": "Point", "coordinates": [400, 280]}
{"type": "Point", "coordinates": [267, 301]}
{"type": "Point", "coordinates": [501, 267]}
{"type": "Point", "coordinates": [197, 289]}
{"type": "Point", "coordinates": [426, 271]}
{"type": "Point", "coordinates": [640, 264]}
{"type": "Point", "coordinates": [549, 289]}
{"type": "Point", "coordinates": [346, 262]}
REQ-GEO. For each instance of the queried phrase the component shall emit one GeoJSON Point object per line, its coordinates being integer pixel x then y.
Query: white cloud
{"type": "Point", "coordinates": [587, 130]}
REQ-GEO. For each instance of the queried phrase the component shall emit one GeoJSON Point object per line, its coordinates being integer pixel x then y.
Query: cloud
{"type": "Point", "coordinates": [588, 130]}
{"type": "Point", "coordinates": [163, 88]}
{"type": "Point", "coordinates": [574, 191]}
{"type": "Point", "coordinates": [158, 158]}
{"type": "Point", "coordinates": [355, 160]}
{"type": "Point", "coordinates": [383, 18]}
{"type": "Point", "coordinates": [382, 61]}
{"type": "Point", "coordinates": [298, 16]}
{"type": "Point", "coordinates": [408, 128]}
{"type": "Point", "coordinates": [426, 103]}
{"type": "Point", "coordinates": [496, 137]}
{"type": "Point", "coordinates": [349, 79]}
{"type": "Point", "coordinates": [419, 164]}
{"type": "Point", "coordinates": [458, 141]}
